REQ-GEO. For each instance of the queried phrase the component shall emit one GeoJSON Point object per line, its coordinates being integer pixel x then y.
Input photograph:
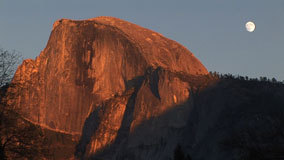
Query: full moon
{"type": "Point", "coordinates": [250, 26]}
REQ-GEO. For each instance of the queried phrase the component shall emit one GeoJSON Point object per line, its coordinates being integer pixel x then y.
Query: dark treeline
{"type": "Point", "coordinates": [228, 76]}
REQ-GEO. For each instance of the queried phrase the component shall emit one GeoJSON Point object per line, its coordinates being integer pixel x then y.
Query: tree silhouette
{"type": "Point", "coordinates": [8, 63]}
{"type": "Point", "coordinates": [19, 139]}
{"type": "Point", "coordinates": [179, 154]}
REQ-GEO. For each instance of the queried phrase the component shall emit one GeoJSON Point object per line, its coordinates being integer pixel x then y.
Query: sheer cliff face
{"type": "Point", "coordinates": [105, 66]}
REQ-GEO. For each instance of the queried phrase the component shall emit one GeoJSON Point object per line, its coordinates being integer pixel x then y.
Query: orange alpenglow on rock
{"type": "Point", "coordinates": [105, 74]}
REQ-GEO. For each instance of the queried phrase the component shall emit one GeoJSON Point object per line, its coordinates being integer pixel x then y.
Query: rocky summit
{"type": "Point", "coordinates": [104, 78]}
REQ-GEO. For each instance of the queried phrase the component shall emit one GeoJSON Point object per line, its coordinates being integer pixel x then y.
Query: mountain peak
{"type": "Point", "coordinates": [87, 64]}
{"type": "Point", "coordinates": [156, 49]}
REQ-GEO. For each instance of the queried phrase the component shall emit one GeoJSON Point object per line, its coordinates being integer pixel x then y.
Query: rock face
{"type": "Point", "coordinates": [102, 78]}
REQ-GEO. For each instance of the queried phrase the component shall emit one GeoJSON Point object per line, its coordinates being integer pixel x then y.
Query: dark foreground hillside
{"type": "Point", "coordinates": [225, 118]}
{"type": "Point", "coordinates": [237, 118]}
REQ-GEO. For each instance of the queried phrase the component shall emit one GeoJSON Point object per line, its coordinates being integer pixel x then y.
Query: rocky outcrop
{"type": "Point", "coordinates": [101, 78]}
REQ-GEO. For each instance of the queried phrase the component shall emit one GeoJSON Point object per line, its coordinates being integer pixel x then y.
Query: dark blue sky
{"type": "Point", "coordinates": [214, 30]}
